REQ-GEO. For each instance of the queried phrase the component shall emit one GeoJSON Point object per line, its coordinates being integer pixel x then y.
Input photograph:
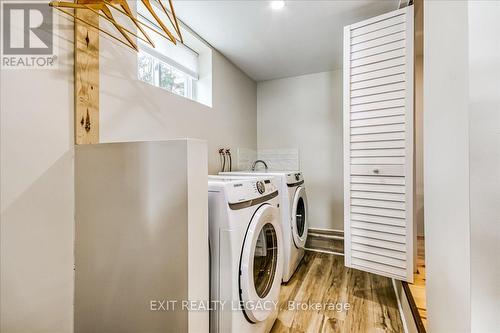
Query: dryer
{"type": "Point", "coordinates": [246, 253]}
{"type": "Point", "coordinates": [294, 210]}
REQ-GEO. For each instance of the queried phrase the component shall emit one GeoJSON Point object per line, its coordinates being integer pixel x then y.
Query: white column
{"type": "Point", "coordinates": [462, 164]}
{"type": "Point", "coordinates": [484, 163]}
{"type": "Point", "coordinates": [446, 166]}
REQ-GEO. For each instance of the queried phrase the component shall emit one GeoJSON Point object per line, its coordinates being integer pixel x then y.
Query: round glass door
{"type": "Point", "coordinates": [299, 217]}
{"type": "Point", "coordinates": [265, 260]}
{"type": "Point", "coordinates": [261, 266]}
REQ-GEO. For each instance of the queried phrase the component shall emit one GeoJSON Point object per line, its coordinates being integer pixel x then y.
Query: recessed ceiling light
{"type": "Point", "coordinates": [277, 4]}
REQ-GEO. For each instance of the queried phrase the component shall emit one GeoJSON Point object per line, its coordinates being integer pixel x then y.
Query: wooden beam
{"type": "Point", "coordinates": [86, 78]}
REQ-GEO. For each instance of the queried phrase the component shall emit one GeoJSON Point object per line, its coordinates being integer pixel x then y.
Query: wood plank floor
{"type": "Point", "coordinates": [417, 288]}
{"type": "Point", "coordinates": [323, 279]}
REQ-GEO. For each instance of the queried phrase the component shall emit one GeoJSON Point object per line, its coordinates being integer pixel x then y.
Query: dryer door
{"type": "Point", "coordinates": [299, 217]}
{"type": "Point", "coordinates": [261, 264]}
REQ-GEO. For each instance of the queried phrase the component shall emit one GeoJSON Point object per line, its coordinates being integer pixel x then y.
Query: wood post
{"type": "Point", "coordinates": [86, 78]}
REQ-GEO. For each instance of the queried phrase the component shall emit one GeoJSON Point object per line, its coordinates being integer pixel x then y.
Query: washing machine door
{"type": "Point", "coordinates": [261, 264]}
{"type": "Point", "coordinates": [299, 217]}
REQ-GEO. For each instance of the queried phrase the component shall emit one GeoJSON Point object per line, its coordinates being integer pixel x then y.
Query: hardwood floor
{"type": "Point", "coordinates": [417, 288]}
{"type": "Point", "coordinates": [323, 280]}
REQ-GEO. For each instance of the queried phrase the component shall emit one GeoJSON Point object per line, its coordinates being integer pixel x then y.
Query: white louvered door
{"type": "Point", "coordinates": [378, 144]}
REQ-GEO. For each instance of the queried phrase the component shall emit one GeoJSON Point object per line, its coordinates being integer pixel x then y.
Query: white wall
{"type": "Point", "coordinates": [132, 110]}
{"type": "Point", "coordinates": [37, 191]}
{"type": "Point", "coordinates": [305, 112]}
{"type": "Point", "coordinates": [484, 157]}
{"type": "Point", "coordinates": [37, 195]}
{"type": "Point", "coordinates": [461, 161]}
{"type": "Point", "coordinates": [446, 177]}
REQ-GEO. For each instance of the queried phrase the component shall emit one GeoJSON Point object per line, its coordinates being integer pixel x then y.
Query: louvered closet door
{"type": "Point", "coordinates": [378, 144]}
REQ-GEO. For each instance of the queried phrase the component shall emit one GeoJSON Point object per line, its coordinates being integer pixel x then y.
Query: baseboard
{"type": "Point", "coordinates": [327, 230]}
{"type": "Point", "coordinates": [324, 251]}
{"type": "Point", "coordinates": [325, 241]}
{"type": "Point", "coordinates": [411, 323]}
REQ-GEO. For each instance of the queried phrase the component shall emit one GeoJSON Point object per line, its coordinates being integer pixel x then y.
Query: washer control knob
{"type": "Point", "coordinates": [261, 187]}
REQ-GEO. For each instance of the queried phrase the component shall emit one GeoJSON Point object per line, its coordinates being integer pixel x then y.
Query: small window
{"type": "Point", "coordinates": [161, 74]}
{"type": "Point", "coordinates": [167, 66]}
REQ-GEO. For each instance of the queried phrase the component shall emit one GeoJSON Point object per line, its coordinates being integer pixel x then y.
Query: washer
{"type": "Point", "coordinates": [246, 253]}
{"type": "Point", "coordinates": [294, 210]}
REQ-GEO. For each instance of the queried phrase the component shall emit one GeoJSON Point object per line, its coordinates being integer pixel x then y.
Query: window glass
{"type": "Point", "coordinates": [173, 80]}
{"type": "Point", "coordinates": [158, 73]}
{"type": "Point", "coordinates": [145, 68]}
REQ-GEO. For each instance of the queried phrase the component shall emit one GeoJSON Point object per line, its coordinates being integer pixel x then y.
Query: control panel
{"type": "Point", "coordinates": [294, 178]}
{"type": "Point", "coordinates": [249, 188]}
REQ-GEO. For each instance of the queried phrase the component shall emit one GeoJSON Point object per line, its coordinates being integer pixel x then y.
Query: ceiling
{"type": "Point", "coordinates": [303, 37]}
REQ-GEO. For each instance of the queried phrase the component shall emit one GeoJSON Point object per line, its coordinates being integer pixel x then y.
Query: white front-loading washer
{"type": "Point", "coordinates": [294, 209]}
{"type": "Point", "coordinates": [246, 253]}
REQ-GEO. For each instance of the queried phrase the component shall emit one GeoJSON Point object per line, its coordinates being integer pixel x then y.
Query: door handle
{"type": "Point", "coordinates": [377, 171]}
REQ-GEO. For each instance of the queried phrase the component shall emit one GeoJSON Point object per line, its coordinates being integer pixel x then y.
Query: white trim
{"type": "Point", "coordinates": [347, 143]}
{"type": "Point", "coordinates": [324, 251]}
{"type": "Point", "coordinates": [400, 307]}
{"type": "Point", "coordinates": [197, 232]}
{"type": "Point", "coordinates": [325, 229]}
{"type": "Point", "coordinates": [405, 311]}
{"type": "Point", "coordinates": [409, 139]}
